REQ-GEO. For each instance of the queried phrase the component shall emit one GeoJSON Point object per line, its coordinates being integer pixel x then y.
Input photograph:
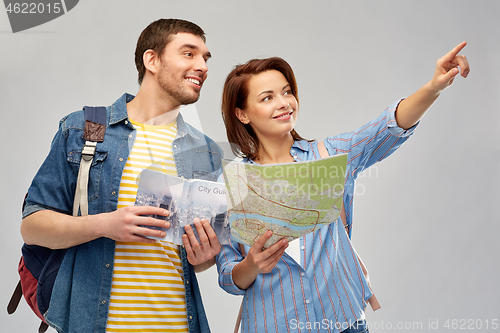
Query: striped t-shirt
{"type": "Point", "coordinates": [147, 293]}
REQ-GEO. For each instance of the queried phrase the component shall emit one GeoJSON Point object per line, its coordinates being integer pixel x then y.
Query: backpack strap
{"type": "Point", "coordinates": [14, 300]}
{"type": "Point", "coordinates": [322, 150]}
{"type": "Point", "coordinates": [80, 202]}
{"type": "Point", "coordinates": [43, 327]}
{"type": "Point", "coordinates": [372, 300]}
{"type": "Point", "coordinates": [94, 130]}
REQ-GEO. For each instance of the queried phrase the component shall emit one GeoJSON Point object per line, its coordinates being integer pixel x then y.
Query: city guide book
{"type": "Point", "coordinates": [290, 199]}
{"type": "Point", "coordinates": [185, 199]}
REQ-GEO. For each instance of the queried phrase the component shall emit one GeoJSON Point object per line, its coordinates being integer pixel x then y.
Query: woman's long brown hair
{"type": "Point", "coordinates": [244, 140]}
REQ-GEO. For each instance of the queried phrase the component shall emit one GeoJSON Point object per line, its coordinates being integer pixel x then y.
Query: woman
{"type": "Point", "coordinates": [319, 287]}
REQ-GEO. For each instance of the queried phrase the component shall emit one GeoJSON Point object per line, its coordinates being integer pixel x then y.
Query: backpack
{"type": "Point", "coordinates": [38, 266]}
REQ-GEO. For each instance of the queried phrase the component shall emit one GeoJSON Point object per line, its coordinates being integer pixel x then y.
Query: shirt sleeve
{"type": "Point", "coordinates": [228, 257]}
{"type": "Point", "coordinates": [371, 142]}
{"type": "Point", "coordinates": [45, 193]}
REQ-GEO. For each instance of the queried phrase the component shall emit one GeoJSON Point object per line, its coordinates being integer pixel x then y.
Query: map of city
{"type": "Point", "coordinates": [290, 199]}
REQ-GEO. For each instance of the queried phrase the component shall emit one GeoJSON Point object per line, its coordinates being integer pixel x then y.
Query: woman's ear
{"type": "Point", "coordinates": [241, 115]}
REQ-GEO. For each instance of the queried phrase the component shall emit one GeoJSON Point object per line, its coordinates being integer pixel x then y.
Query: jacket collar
{"type": "Point", "coordinates": [184, 129]}
{"type": "Point", "coordinates": [119, 109]}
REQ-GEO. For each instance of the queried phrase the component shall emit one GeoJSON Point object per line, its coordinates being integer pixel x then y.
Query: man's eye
{"type": "Point", "coordinates": [189, 54]}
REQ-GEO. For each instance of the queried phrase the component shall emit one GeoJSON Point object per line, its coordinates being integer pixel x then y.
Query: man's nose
{"type": "Point", "coordinates": [201, 65]}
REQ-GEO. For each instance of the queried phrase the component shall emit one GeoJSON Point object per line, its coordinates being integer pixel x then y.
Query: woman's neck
{"type": "Point", "coordinates": [272, 150]}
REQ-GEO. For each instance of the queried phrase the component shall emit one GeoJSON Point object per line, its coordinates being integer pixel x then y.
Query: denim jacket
{"type": "Point", "coordinates": [80, 298]}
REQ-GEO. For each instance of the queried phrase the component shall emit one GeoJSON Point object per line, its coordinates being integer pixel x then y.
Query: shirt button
{"type": "Point", "coordinates": [308, 301]}
{"type": "Point", "coordinates": [302, 247]}
{"type": "Point", "coordinates": [302, 274]}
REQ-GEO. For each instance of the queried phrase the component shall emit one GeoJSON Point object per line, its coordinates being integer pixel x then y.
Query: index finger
{"type": "Point", "coordinates": [276, 247]}
{"type": "Point", "coordinates": [149, 210]}
{"type": "Point", "coordinates": [450, 55]}
{"type": "Point", "coordinates": [200, 229]}
{"type": "Point", "coordinates": [259, 243]}
{"type": "Point", "coordinates": [212, 236]}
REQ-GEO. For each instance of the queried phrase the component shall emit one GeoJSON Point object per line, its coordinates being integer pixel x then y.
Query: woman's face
{"type": "Point", "coordinates": [271, 108]}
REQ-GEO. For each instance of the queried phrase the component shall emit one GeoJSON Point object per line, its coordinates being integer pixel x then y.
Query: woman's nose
{"type": "Point", "coordinates": [284, 104]}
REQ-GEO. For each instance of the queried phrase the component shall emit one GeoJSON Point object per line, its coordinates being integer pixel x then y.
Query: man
{"type": "Point", "coordinates": [112, 277]}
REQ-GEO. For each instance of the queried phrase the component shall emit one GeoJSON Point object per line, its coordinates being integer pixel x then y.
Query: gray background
{"type": "Point", "coordinates": [426, 219]}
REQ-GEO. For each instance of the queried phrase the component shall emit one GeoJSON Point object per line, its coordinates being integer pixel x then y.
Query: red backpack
{"type": "Point", "coordinates": [39, 265]}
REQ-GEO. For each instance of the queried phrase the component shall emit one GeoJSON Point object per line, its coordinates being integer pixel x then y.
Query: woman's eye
{"type": "Point", "coordinates": [288, 92]}
{"type": "Point", "coordinates": [267, 98]}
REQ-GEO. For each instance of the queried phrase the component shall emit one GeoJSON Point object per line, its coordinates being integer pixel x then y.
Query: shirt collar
{"type": "Point", "coordinates": [303, 145]}
{"type": "Point", "coordinates": [119, 113]}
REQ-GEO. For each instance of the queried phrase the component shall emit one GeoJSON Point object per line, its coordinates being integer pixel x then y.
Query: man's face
{"type": "Point", "coordinates": [183, 68]}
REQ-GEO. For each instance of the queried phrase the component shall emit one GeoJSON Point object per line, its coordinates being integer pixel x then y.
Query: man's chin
{"type": "Point", "coordinates": [190, 100]}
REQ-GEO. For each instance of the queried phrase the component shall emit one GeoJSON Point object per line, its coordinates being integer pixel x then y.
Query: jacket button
{"type": "Point", "coordinates": [113, 193]}
{"type": "Point", "coordinates": [190, 317]}
{"type": "Point", "coordinates": [103, 302]}
{"type": "Point", "coordinates": [120, 159]}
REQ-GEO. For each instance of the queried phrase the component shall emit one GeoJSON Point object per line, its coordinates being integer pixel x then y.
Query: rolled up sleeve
{"type": "Point", "coordinates": [228, 257]}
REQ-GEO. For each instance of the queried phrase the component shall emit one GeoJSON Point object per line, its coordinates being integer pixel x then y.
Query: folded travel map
{"type": "Point", "coordinates": [290, 199]}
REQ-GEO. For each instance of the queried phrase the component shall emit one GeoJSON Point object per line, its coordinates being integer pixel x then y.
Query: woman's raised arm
{"type": "Point", "coordinates": [414, 107]}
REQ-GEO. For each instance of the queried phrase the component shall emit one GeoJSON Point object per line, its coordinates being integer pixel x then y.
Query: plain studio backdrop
{"type": "Point", "coordinates": [426, 220]}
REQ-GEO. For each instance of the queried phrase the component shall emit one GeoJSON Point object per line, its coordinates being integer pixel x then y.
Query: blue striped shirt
{"type": "Point", "coordinates": [327, 291]}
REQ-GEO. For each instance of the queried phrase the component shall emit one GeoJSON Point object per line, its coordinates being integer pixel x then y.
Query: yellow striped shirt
{"type": "Point", "coordinates": [147, 294]}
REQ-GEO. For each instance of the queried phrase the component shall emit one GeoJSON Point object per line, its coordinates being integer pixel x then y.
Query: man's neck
{"type": "Point", "coordinates": [149, 108]}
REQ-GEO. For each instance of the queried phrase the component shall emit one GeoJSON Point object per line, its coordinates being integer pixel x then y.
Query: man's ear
{"type": "Point", "coordinates": [150, 60]}
{"type": "Point", "coordinates": [242, 116]}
